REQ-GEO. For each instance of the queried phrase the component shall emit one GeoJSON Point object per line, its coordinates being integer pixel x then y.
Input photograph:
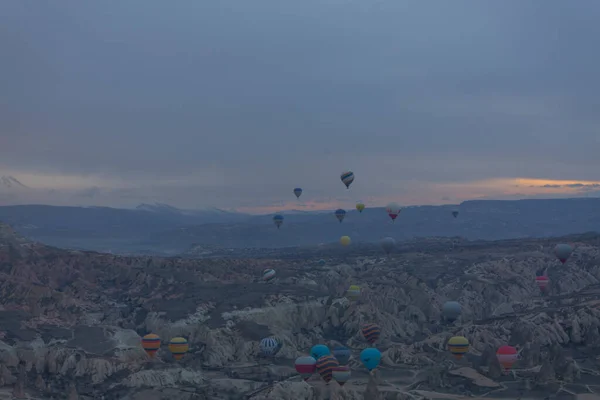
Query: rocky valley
{"type": "Point", "coordinates": [71, 322]}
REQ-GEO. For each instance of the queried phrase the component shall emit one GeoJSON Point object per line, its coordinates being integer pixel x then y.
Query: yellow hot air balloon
{"type": "Point", "coordinates": [458, 346]}
{"type": "Point", "coordinates": [345, 240]}
{"type": "Point", "coordinates": [151, 344]}
{"type": "Point", "coordinates": [178, 347]}
{"type": "Point", "coordinates": [353, 292]}
{"type": "Point", "coordinates": [360, 207]}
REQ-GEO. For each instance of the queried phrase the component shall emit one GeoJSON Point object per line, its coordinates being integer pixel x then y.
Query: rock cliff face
{"type": "Point", "coordinates": [71, 322]}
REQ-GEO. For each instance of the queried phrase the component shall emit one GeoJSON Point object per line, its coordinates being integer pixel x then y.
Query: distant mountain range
{"type": "Point", "coordinates": [163, 229]}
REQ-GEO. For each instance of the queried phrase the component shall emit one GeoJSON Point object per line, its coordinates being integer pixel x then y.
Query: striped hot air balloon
{"type": "Point", "coordinates": [178, 347]}
{"type": "Point", "coordinates": [268, 274]}
{"type": "Point", "coordinates": [371, 332]}
{"type": "Point", "coordinates": [151, 344]}
{"type": "Point", "coordinates": [341, 374]}
{"type": "Point", "coordinates": [353, 292]}
{"type": "Point", "coordinates": [347, 178]}
{"type": "Point", "coordinates": [306, 366]}
{"type": "Point", "coordinates": [458, 346]}
{"type": "Point", "coordinates": [507, 356]}
{"type": "Point", "coordinates": [542, 282]}
{"type": "Point", "coordinates": [268, 347]}
{"type": "Point", "coordinates": [325, 366]}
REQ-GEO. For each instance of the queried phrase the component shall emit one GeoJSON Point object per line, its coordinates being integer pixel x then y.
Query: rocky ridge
{"type": "Point", "coordinates": [71, 322]}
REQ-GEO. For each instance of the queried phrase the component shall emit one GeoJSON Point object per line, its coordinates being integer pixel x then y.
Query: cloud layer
{"type": "Point", "coordinates": [236, 103]}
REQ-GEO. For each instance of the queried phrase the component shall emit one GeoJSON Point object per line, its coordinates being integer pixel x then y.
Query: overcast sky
{"type": "Point", "coordinates": [235, 103]}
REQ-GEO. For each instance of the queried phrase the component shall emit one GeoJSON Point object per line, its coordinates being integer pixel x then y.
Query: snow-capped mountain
{"type": "Point", "coordinates": [10, 182]}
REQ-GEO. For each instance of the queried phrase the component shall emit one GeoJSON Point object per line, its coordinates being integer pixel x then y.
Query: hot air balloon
{"type": "Point", "coordinates": [151, 344]}
{"type": "Point", "coordinates": [542, 282]}
{"type": "Point", "coordinates": [319, 350]}
{"type": "Point", "coordinates": [342, 354]}
{"type": "Point", "coordinates": [370, 358]}
{"type": "Point", "coordinates": [268, 274]}
{"type": "Point", "coordinates": [178, 347]}
{"type": "Point", "coordinates": [563, 252]}
{"type": "Point", "coordinates": [393, 209]}
{"type": "Point", "coordinates": [306, 366]}
{"type": "Point", "coordinates": [298, 192]}
{"type": "Point", "coordinates": [322, 262]}
{"type": "Point", "coordinates": [458, 346]}
{"type": "Point", "coordinates": [345, 240]}
{"type": "Point", "coordinates": [268, 347]}
{"type": "Point", "coordinates": [278, 220]}
{"type": "Point", "coordinates": [353, 292]}
{"type": "Point", "coordinates": [340, 214]}
{"type": "Point", "coordinates": [507, 356]}
{"type": "Point", "coordinates": [388, 244]}
{"type": "Point", "coordinates": [451, 310]}
{"type": "Point", "coordinates": [360, 207]}
{"type": "Point", "coordinates": [455, 213]}
{"type": "Point", "coordinates": [325, 366]}
{"type": "Point", "coordinates": [371, 332]}
{"type": "Point", "coordinates": [341, 374]}
{"type": "Point", "coordinates": [347, 178]}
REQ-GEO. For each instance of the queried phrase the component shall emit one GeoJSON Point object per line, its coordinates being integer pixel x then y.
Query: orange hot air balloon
{"type": "Point", "coordinates": [178, 347]}
{"type": "Point", "coordinates": [151, 344]}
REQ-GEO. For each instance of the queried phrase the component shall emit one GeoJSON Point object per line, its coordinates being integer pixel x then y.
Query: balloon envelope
{"type": "Point", "coordinates": [298, 192]}
{"type": "Point", "coordinates": [563, 252]}
{"type": "Point", "coordinates": [268, 346]}
{"type": "Point", "coordinates": [353, 292]}
{"type": "Point", "coordinates": [278, 220]}
{"type": "Point", "coordinates": [360, 207]}
{"type": "Point", "coordinates": [542, 282]}
{"type": "Point", "coordinates": [178, 347]}
{"type": "Point", "coordinates": [371, 332]}
{"type": "Point", "coordinates": [342, 354]}
{"type": "Point", "coordinates": [325, 366]}
{"type": "Point", "coordinates": [451, 310]}
{"type": "Point", "coordinates": [340, 214]}
{"type": "Point", "coordinates": [345, 240]}
{"type": "Point", "coordinates": [455, 214]}
{"type": "Point", "coordinates": [268, 274]}
{"type": "Point", "coordinates": [388, 244]}
{"type": "Point", "coordinates": [306, 366]}
{"type": "Point", "coordinates": [341, 374]}
{"type": "Point", "coordinates": [347, 178]}
{"type": "Point", "coordinates": [319, 350]}
{"type": "Point", "coordinates": [370, 358]}
{"type": "Point", "coordinates": [393, 209]}
{"type": "Point", "coordinates": [507, 356]}
{"type": "Point", "coordinates": [458, 346]}
{"type": "Point", "coordinates": [151, 344]}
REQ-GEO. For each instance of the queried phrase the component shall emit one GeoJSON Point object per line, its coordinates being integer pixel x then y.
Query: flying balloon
{"type": "Point", "coordinates": [347, 178]}
{"type": "Point", "coordinates": [455, 213]}
{"type": "Point", "coordinates": [268, 347]}
{"type": "Point", "coordinates": [388, 244]}
{"type": "Point", "coordinates": [370, 358]}
{"type": "Point", "coordinates": [353, 292]}
{"type": "Point", "coordinates": [322, 262]}
{"type": "Point", "coordinates": [542, 282]}
{"type": "Point", "coordinates": [298, 192]}
{"type": "Point", "coordinates": [178, 346]}
{"type": "Point", "coordinates": [451, 310]}
{"type": "Point", "coordinates": [563, 252]}
{"type": "Point", "coordinates": [151, 344]}
{"type": "Point", "coordinates": [345, 240]}
{"type": "Point", "coordinates": [268, 274]}
{"type": "Point", "coordinates": [393, 209]}
{"type": "Point", "coordinates": [360, 207]}
{"type": "Point", "coordinates": [371, 332]}
{"type": "Point", "coordinates": [342, 354]}
{"type": "Point", "coordinates": [507, 356]}
{"type": "Point", "coordinates": [340, 214]}
{"type": "Point", "coordinates": [319, 350]}
{"type": "Point", "coordinates": [325, 366]}
{"type": "Point", "coordinates": [341, 374]}
{"type": "Point", "coordinates": [458, 346]}
{"type": "Point", "coordinates": [278, 220]}
{"type": "Point", "coordinates": [306, 366]}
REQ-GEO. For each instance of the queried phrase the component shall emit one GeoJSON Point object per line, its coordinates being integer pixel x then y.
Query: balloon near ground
{"type": "Point", "coordinates": [319, 350]}
{"type": "Point", "coordinates": [340, 214]}
{"type": "Point", "coordinates": [370, 357]}
{"type": "Point", "coordinates": [268, 274]}
{"type": "Point", "coordinates": [278, 220]}
{"type": "Point", "coordinates": [342, 354]}
{"type": "Point", "coordinates": [371, 332]}
{"type": "Point", "coordinates": [353, 292]}
{"type": "Point", "coordinates": [341, 374]}
{"type": "Point", "coordinates": [563, 252]}
{"type": "Point", "coordinates": [451, 310]}
{"type": "Point", "coordinates": [325, 366]}
{"type": "Point", "coordinates": [306, 366]}
{"type": "Point", "coordinates": [151, 344]}
{"type": "Point", "coordinates": [345, 240]}
{"type": "Point", "coordinates": [360, 207]}
{"type": "Point", "coordinates": [458, 346]}
{"type": "Point", "coordinates": [507, 356]}
{"type": "Point", "coordinates": [178, 346]}
{"type": "Point", "coordinates": [393, 210]}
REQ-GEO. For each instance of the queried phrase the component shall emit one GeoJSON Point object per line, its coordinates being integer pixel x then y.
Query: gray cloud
{"type": "Point", "coordinates": [244, 100]}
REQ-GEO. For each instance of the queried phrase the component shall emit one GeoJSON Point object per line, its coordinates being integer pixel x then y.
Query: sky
{"type": "Point", "coordinates": [233, 104]}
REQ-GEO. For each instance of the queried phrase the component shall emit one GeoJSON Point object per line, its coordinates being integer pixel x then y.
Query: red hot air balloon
{"type": "Point", "coordinates": [542, 282]}
{"type": "Point", "coordinates": [371, 332]}
{"type": "Point", "coordinates": [325, 366]}
{"type": "Point", "coordinates": [306, 366]}
{"type": "Point", "coordinates": [507, 356]}
{"type": "Point", "coordinates": [393, 209]}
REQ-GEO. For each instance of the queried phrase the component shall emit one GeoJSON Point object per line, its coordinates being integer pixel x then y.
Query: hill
{"type": "Point", "coordinates": [72, 321]}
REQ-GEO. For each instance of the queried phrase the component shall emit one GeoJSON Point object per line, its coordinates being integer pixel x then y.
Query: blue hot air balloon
{"type": "Point", "coordinates": [342, 354]}
{"type": "Point", "coordinates": [298, 192]}
{"type": "Point", "coordinates": [340, 214]}
{"type": "Point", "coordinates": [319, 350]}
{"type": "Point", "coordinates": [278, 220]}
{"type": "Point", "coordinates": [370, 357]}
